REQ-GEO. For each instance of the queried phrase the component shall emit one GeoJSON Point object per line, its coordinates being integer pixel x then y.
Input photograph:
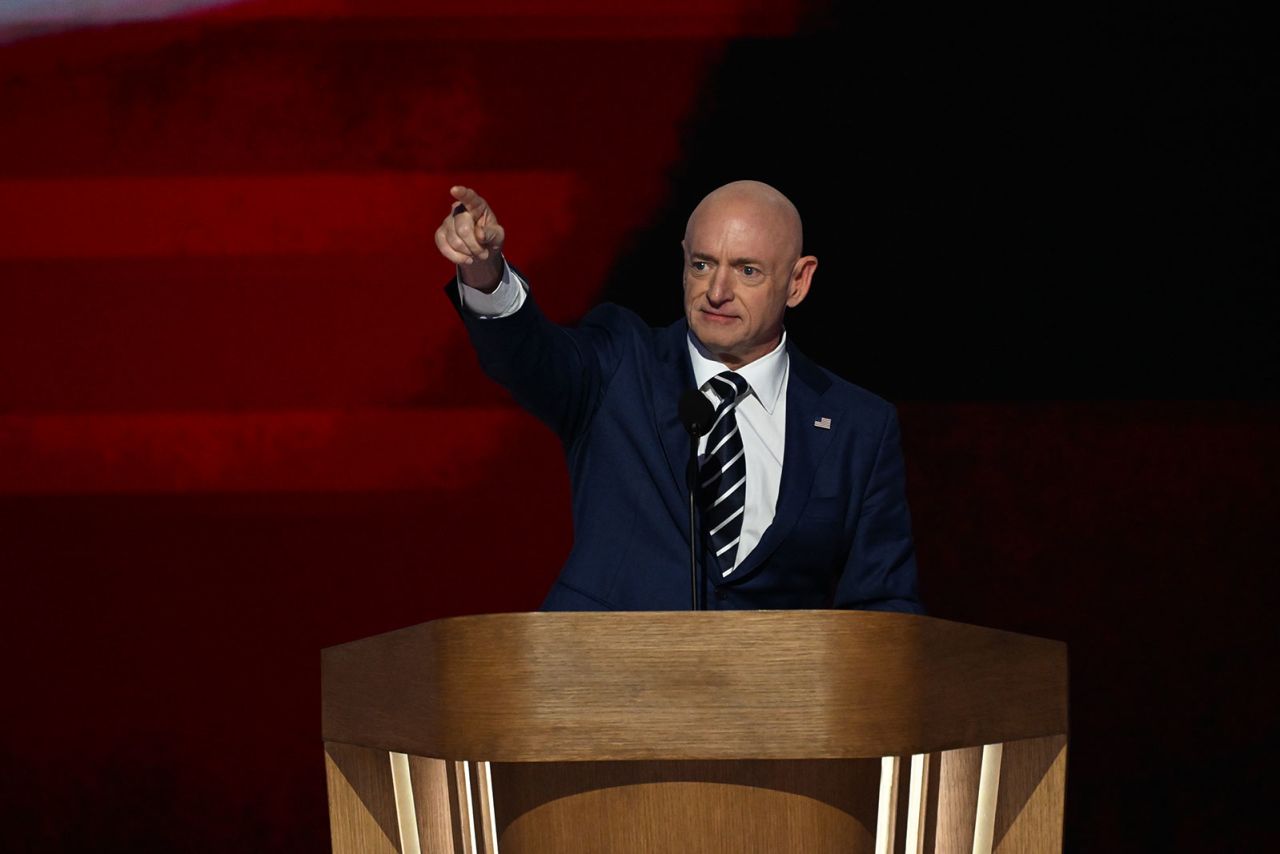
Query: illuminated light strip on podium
{"type": "Point", "coordinates": [919, 811]}
{"type": "Point", "coordinates": [917, 804]}
{"type": "Point", "coordinates": [988, 792]}
{"type": "Point", "coordinates": [887, 811]}
{"type": "Point", "coordinates": [406, 815]}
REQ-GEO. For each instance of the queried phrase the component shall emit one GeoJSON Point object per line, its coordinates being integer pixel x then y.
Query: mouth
{"type": "Point", "coordinates": [717, 317]}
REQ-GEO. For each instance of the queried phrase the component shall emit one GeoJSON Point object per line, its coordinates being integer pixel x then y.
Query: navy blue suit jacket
{"type": "Point", "coordinates": [609, 388]}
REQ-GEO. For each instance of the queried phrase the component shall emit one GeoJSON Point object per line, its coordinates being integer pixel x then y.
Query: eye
{"type": "Point", "coordinates": [698, 265]}
{"type": "Point", "coordinates": [748, 270]}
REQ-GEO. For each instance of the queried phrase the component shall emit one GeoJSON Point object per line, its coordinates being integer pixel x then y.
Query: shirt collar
{"type": "Point", "coordinates": [765, 375]}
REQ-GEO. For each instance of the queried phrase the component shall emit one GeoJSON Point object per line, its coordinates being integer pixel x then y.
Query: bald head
{"type": "Point", "coordinates": [760, 203]}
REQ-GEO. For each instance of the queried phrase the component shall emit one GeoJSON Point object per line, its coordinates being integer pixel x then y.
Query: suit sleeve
{"type": "Point", "coordinates": [555, 373]}
{"type": "Point", "coordinates": [880, 571]}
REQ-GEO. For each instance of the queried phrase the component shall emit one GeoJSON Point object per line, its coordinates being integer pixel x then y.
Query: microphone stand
{"type": "Point", "coordinates": [696, 414]}
{"type": "Point", "coordinates": [691, 475]}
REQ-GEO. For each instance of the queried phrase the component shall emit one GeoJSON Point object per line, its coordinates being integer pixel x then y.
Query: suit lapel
{"type": "Point", "coordinates": [805, 446]}
{"type": "Point", "coordinates": [669, 382]}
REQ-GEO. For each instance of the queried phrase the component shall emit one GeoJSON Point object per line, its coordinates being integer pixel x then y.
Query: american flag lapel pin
{"type": "Point", "coordinates": [824, 423]}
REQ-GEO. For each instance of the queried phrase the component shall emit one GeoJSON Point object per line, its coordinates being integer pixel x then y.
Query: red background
{"type": "Point", "coordinates": [238, 421]}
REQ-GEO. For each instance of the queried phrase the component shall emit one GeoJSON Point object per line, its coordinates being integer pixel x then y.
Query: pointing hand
{"type": "Point", "coordinates": [471, 237]}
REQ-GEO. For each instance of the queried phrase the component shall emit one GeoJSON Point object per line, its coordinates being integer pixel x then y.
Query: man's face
{"type": "Point", "coordinates": [740, 274]}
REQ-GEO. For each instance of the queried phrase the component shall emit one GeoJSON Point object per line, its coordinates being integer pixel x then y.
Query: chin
{"type": "Point", "coordinates": [719, 345]}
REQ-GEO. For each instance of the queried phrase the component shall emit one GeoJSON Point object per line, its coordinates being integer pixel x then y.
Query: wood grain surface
{"type": "Point", "coordinates": [737, 806]}
{"type": "Point", "coordinates": [957, 804]}
{"type": "Point", "coordinates": [1033, 782]}
{"type": "Point", "coordinates": [435, 800]}
{"type": "Point", "coordinates": [546, 687]}
{"type": "Point", "coordinates": [362, 804]}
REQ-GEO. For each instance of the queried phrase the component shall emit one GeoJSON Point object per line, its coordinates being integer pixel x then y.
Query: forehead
{"type": "Point", "coordinates": [743, 230]}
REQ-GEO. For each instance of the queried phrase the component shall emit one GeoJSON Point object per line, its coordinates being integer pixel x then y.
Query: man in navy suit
{"type": "Point", "coordinates": [802, 484]}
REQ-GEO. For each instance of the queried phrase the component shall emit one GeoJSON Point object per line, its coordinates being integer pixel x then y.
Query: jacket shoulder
{"type": "Point", "coordinates": [626, 331]}
{"type": "Point", "coordinates": [615, 318]}
{"type": "Point", "coordinates": [836, 388]}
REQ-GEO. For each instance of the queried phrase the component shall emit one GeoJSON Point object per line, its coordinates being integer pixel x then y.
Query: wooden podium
{"type": "Point", "coordinates": [770, 731]}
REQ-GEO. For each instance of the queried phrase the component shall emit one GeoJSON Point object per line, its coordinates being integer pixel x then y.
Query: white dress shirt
{"type": "Point", "coordinates": [505, 300]}
{"type": "Point", "coordinates": [762, 423]}
{"type": "Point", "coordinates": [761, 415]}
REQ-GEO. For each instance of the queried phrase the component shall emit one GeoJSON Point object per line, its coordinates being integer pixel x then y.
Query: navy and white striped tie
{"type": "Point", "coordinates": [722, 475]}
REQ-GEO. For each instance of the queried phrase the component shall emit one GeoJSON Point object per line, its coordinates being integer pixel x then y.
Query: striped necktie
{"type": "Point", "coordinates": [722, 476]}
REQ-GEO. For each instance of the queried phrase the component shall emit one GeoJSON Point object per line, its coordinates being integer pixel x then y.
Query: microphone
{"type": "Point", "coordinates": [696, 414]}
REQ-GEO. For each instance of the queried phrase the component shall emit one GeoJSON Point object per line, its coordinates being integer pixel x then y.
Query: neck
{"type": "Point", "coordinates": [734, 361]}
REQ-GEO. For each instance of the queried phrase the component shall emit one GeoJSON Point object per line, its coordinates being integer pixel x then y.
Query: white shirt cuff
{"type": "Point", "coordinates": [504, 301]}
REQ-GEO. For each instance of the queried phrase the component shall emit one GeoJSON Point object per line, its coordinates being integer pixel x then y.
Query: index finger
{"type": "Point", "coordinates": [470, 200]}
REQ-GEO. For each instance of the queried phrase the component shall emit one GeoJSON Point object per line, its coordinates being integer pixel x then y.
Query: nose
{"type": "Point", "coordinates": [720, 290]}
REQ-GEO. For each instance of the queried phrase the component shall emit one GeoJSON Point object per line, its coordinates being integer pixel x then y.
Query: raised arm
{"type": "Point", "coordinates": [554, 372]}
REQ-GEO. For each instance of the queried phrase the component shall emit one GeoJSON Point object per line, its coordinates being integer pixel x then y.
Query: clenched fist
{"type": "Point", "coordinates": [471, 238]}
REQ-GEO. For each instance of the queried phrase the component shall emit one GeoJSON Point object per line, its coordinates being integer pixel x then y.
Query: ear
{"type": "Point", "coordinates": [801, 278]}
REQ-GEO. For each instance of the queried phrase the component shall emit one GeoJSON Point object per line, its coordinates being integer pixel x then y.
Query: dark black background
{"type": "Point", "coordinates": [1009, 203]}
